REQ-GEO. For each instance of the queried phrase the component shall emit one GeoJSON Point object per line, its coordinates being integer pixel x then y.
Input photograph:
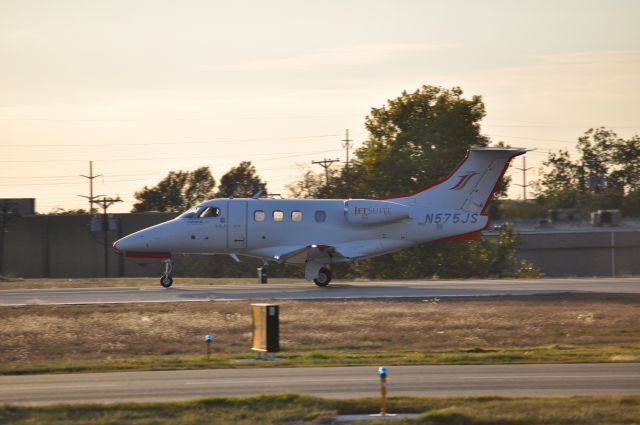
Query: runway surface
{"type": "Point", "coordinates": [306, 291]}
{"type": "Point", "coordinates": [506, 380]}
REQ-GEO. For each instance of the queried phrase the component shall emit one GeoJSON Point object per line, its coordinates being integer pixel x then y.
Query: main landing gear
{"type": "Point", "coordinates": [317, 272]}
{"type": "Point", "coordinates": [324, 277]}
{"type": "Point", "coordinates": [166, 280]}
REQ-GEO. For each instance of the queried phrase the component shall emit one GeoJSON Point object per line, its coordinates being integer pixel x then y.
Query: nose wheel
{"type": "Point", "coordinates": [166, 280]}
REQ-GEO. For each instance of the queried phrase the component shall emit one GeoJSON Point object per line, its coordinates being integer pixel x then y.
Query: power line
{"type": "Point", "coordinates": [176, 119]}
{"type": "Point", "coordinates": [268, 139]}
{"type": "Point", "coordinates": [147, 158]}
{"type": "Point", "coordinates": [107, 178]}
{"type": "Point", "coordinates": [553, 126]}
{"type": "Point", "coordinates": [533, 138]}
{"type": "Point", "coordinates": [147, 172]}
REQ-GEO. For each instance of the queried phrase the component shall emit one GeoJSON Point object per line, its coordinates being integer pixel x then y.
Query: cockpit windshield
{"type": "Point", "coordinates": [209, 212]}
{"type": "Point", "coordinates": [201, 212]}
{"type": "Point", "coordinates": [191, 213]}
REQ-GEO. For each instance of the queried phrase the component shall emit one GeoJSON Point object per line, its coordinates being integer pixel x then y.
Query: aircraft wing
{"type": "Point", "coordinates": [318, 253]}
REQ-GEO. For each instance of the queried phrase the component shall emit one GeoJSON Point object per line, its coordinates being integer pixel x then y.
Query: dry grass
{"type": "Point", "coordinates": [38, 333]}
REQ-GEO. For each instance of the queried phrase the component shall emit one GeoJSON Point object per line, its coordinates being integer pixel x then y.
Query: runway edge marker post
{"type": "Point", "coordinates": [382, 372]}
{"type": "Point", "coordinates": [207, 340]}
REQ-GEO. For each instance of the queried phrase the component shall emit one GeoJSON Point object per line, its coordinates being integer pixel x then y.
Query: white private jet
{"type": "Point", "coordinates": [320, 232]}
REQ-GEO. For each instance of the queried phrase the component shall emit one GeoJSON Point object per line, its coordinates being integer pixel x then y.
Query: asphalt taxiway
{"type": "Point", "coordinates": [508, 380]}
{"type": "Point", "coordinates": [308, 291]}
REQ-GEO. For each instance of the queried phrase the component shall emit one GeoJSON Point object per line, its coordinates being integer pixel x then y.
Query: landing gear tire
{"type": "Point", "coordinates": [324, 277]}
{"type": "Point", "coordinates": [166, 281]}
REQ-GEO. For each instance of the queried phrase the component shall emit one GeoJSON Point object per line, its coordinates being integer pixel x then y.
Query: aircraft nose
{"type": "Point", "coordinates": [122, 245]}
{"type": "Point", "coordinates": [158, 238]}
{"type": "Point", "coordinates": [132, 242]}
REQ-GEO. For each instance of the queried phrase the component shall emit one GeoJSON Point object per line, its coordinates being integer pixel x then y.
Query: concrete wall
{"type": "Point", "coordinates": [63, 246]}
{"type": "Point", "coordinates": [600, 252]}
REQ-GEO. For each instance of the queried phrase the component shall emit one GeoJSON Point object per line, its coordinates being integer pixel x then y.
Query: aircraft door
{"type": "Point", "coordinates": [237, 224]}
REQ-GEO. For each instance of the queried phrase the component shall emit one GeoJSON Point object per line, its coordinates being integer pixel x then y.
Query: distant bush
{"type": "Point", "coordinates": [481, 258]}
{"type": "Point", "coordinates": [528, 270]}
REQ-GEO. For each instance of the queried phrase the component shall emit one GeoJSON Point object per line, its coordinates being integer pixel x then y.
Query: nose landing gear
{"type": "Point", "coordinates": [166, 280]}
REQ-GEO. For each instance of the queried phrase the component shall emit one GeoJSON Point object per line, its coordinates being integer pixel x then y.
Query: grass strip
{"type": "Point", "coordinates": [295, 409]}
{"type": "Point", "coordinates": [542, 354]}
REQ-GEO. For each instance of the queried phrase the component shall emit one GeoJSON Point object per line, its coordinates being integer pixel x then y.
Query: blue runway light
{"type": "Point", "coordinates": [382, 371]}
{"type": "Point", "coordinates": [208, 338]}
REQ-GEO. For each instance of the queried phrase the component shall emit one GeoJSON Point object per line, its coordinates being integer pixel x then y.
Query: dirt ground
{"type": "Point", "coordinates": [38, 332]}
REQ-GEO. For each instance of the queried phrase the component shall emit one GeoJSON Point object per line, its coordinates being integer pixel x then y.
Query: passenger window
{"type": "Point", "coordinates": [210, 212]}
{"type": "Point", "coordinates": [258, 215]}
{"type": "Point", "coordinates": [321, 216]}
{"type": "Point", "coordinates": [278, 215]}
{"type": "Point", "coordinates": [296, 215]}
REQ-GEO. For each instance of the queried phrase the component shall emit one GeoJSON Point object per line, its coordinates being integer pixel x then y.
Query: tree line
{"type": "Point", "coordinates": [180, 190]}
{"type": "Point", "coordinates": [605, 175]}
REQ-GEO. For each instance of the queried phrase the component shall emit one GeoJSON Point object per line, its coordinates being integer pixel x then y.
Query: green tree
{"type": "Point", "coordinates": [502, 260]}
{"type": "Point", "coordinates": [415, 139]}
{"type": "Point", "coordinates": [314, 185]}
{"type": "Point", "coordinates": [562, 182]}
{"type": "Point", "coordinates": [311, 185]}
{"type": "Point", "coordinates": [241, 182]}
{"type": "Point", "coordinates": [418, 138]}
{"type": "Point", "coordinates": [64, 211]}
{"type": "Point", "coordinates": [178, 191]}
{"type": "Point", "coordinates": [606, 174]}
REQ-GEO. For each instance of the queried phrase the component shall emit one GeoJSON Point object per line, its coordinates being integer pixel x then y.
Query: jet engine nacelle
{"type": "Point", "coordinates": [369, 212]}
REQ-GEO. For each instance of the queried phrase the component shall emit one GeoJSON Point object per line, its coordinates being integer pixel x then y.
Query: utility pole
{"type": "Point", "coordinates": [105, 203]}
{"type": "Point", "coordinates": [347, 146]}
{"type": "Point", "coordinates": [597, 181]}
{"type": "Point", "coordinates": [91, 198]}
{"type": "Point", "coordinates": [8, 210]}
{"type": "Point", "coordinates": [524, 184]}
{"type": "Point", "coordinates": [326, 163]}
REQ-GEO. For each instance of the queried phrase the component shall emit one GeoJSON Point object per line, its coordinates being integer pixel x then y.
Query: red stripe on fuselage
{"type": "Point", "coordinates": [471, 236]}
{"type": "Point", "coordinates": [140, 254]}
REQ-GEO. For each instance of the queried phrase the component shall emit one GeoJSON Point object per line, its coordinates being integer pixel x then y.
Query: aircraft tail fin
{"type": "Point", "coordinates": [471, 185]}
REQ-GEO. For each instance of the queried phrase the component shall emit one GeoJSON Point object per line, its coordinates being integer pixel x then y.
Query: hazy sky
{"type": "Point", "coordinates": [145, 87]}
